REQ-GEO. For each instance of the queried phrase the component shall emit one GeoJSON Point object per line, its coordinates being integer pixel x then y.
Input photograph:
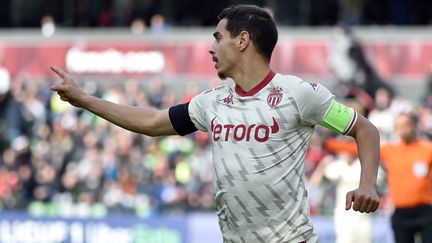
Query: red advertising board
{"type": "Point", "coordinates": [402, 59]}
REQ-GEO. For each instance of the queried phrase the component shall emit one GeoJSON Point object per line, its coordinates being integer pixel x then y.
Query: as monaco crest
{"type": "Point", "coordinates": [275, 97]}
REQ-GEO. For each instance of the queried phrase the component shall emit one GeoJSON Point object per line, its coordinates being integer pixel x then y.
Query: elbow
{"type": "Point", "coordinates": [369, 131]}
{"type": "Point", "coordinates": [151, 128]}
{"type": "Point", "coordinates": [376, 132]}
{"type": "Point", "coordinates": [148, 130]}
{"type": "Point", "coordinates": [373, 130]}
{"type": "Point", "coordinates": [156, 124]}
{"type": "Point", "coordinates": [152, 134]}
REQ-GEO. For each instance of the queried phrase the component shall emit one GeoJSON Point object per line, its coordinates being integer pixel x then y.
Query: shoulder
{"type": "Point", "coordinates": [206, 97]}
{"type": "Point", "coordinates": [298, 86]}
{"type": "Point", "coordinates": [425, 144]}
{"type": "Point", "coordinates": [216, 90]}
{"type": "Point", "coordinates": [288, 80]}
{"type": "Point", "coordinates": [213, 92]}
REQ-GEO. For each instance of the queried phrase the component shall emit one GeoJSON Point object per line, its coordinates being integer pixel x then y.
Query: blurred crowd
{"type": "Point", "coordinates": [121, 13]}
{"type": "Point", "coordinates": [71, 162]}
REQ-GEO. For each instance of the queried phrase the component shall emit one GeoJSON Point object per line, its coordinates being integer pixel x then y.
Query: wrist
{"type": "Point", "coordinates": [367, 184]}
{"type": "Point", "coordinates": [85, 100]}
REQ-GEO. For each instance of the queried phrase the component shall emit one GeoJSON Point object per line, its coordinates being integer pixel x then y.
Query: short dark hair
{"type": "Point", "coordinates": [256, 21]}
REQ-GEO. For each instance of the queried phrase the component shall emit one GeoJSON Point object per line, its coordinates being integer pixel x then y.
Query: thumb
{"type": "Point", "coordinates": [349, 200]}
{"type": "Point", "coordinates": [57, 87]}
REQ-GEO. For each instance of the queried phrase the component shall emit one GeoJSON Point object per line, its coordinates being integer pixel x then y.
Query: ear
{"type": "Point", "coordinates": [243, 41]}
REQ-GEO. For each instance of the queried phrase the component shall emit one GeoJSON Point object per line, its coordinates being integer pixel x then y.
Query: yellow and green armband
{"type": "Point", "coordinates": [340, 118]}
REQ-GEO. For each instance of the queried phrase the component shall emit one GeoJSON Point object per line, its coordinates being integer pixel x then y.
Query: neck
{"type": "Point", "coordinates": [251, 73]}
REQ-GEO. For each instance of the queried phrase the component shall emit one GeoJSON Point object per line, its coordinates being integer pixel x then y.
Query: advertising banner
{"type": "Point", "coordinates": [403, 59]}
{"type": "Point", "coordinates": [188, 228]}
{"type": "Point", "coordinates": [20, 227]}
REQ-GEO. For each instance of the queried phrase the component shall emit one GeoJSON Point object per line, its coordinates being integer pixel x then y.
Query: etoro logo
{"type": "Point", "coordinates": [241, 132]}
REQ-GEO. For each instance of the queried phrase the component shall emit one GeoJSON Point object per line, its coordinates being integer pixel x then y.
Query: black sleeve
{"type": "Point", "coordinates": [180, 119]}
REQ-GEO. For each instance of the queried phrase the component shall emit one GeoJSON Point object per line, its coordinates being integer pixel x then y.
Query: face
{"type": "Point", "coordinates": [382, 99]}
{"type": "Point", "coordinates": [404, 128]}
{"type": "Point", "coordinates": [224, 50]}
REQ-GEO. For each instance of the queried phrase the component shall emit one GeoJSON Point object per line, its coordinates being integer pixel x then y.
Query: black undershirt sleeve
{"type": "Point", "coordinates": [180, 119]}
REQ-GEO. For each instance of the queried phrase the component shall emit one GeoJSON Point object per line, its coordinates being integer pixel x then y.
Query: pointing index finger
{"type": "Point", "coordinates": [58, 71]}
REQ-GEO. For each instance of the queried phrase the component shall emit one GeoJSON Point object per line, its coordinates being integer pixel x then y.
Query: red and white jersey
{"type": "Point", "coordinates": [260, 139]}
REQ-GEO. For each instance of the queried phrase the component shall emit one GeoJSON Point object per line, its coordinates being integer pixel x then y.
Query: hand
{"type": "Point", "coordinates": [68, 90]}
{"type": "Point", "coordinates": [365, 200]}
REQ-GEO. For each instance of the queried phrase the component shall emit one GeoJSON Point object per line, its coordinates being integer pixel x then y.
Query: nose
{"type": "Point", "coordinates": [211, 49]}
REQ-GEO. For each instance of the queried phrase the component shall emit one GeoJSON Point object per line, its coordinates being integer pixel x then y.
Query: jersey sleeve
{"type": "Point", "coordinates": [197, 108]}
{"type": "Point", "coordinates": [313, 101]}
{"type": "Point", "coordinates": [317, 106]}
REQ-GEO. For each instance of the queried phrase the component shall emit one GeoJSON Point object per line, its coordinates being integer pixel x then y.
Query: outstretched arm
{"type": "Point", "coordinates": [142, 120]}
{"type": "Point", "coordinates": [365, 198]}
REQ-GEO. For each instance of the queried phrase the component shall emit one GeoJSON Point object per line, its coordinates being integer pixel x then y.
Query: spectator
{"type": "Point", "coordinates": [47, 26]}
{"type": "Point", "coordinates": [382, 116]}
{"type": "Point", "coordinates": [410, 159]}
{"type": "Point", "coordinates": [343, 171]}
{"type": "Point", "coordinates": [357, 76]}
{"type": "Point", "coordinates": [157, 24]}
{"type": "Point", "coordinates": [138, 26]}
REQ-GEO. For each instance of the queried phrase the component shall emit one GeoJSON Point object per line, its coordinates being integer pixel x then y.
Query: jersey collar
{"type": "Point", "coordinates": [257, 88]}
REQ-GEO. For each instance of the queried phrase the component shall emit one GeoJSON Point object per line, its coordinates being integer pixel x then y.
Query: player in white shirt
{"type": "Point", "coordinates": [260, 128]}
{"type": "Point", "coordinates": [260, 142]}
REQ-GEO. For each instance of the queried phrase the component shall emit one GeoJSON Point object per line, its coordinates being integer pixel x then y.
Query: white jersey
{"type": "Point", "coordinates": [260, 139]}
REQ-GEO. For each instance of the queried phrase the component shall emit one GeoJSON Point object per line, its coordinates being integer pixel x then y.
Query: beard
{"type": "Point", "coordinates": [222, 75]}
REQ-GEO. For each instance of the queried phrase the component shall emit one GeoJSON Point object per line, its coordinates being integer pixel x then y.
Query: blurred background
{"type": "Point", "coordinates": [68, 176]}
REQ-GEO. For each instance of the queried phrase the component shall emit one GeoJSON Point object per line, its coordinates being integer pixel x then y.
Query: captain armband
{"type": "Point", "coordinates": [340, 118]}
